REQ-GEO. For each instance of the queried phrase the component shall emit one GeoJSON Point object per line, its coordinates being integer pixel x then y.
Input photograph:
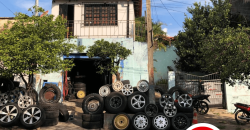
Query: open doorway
{"type": "Point", "coordinates": [67, 12]}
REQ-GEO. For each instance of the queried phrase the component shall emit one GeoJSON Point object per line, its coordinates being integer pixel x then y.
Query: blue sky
{"type": "Point", "coordinates": [172, 24]}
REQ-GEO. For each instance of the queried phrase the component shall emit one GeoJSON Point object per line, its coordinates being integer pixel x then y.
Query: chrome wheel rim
{"type": "Point", "coordinates": [170, 110]}
{"type": "Point", "coordinates": [104, 91]}
{"type": "Point", "coordinates": [141, 121]}
{"type": "Point", "coordinates": [138, 101]}
{"type": "Point", "coordinates": [93, 105]}
{"type": "Point", "coordinates": [162, 100]}
{"type": "Point", "coordinates": [185, 100]}
{"type": "Point", "coordinates": [161, 122]}
{"type": "Point", "coordinates": [31, 115]}
{"type": "Point", "coordinates": [3, 99]}
{"type": "Point", "coordinates": [117, 86]}
{"type": "Point", "coordinates": [8, 113]}
{"type": "Point", "coordinates": [127, 89]}
{"type": "Point", "coordinates": [24, 101]}
{"type": "Point", "coordinates": [151, 110]}
{"type": "Point", "coordinates": [115, 102]}
{"type": "Point", "coordinates": [143, 86]}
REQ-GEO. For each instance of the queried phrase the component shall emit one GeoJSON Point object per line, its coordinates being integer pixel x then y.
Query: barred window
{"type": "Point", "coordinates": [100, 14]}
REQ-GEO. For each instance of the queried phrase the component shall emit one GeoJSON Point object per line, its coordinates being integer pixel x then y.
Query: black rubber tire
{"type": "Point", "coordinates": [129, 121]}
{"type": "Point", "coordinates": [183, 109]}
{"type": "Point", "coordinates": [71, 91]}
{"type": "Point", "coordinates": [92, 96]}
{"type": "Point", "coordinates": [51, 122]}
{"type": "Point", "coordinates": [92, 125]}
{"type": "Point", "coordinates": [63, 113]}
{"type": "Point", "coordinates": [168, 126]}
{"type": "Point", "coordinates": [16, 84]}
{"type": "Point", "coordinates": [34, 95]}
{"type": "Point", "coordinates": [153, 112]}
{"type": "Point", "coordinates": [141, 113]}
{"type": "Point", "coordinates": [80, 85]}
{"type": "Point", "coordinates": [77, 89]}
{"type": "Point", "coordinates": [55, 89]}
{"type": "Point", "coordinates": [125, 82]}
{"type": "Point", "coordinates": [112, 110]}
{"type": "Point", "coordinates": [49, 106]}
{"type": "Point", "coordinates": [52, 114]}
{"type": "Point", "coordinates": [92, 117]}
{"type": "Point", "coordinates": [177, 88]}
{"type": "Point", "coordinates": [16, 120]}
{"type": "Point", "coordinates": [197, 109]}
{"type": "Point", "coordinates": [180, 115]}
{"type": "Point", "coordinates": [38, 123]}
{"type": "Point", "coordinates": [130, 103]}
{"type": "Point", "coordinates": [8, 87]}
{"type": "Point", "coordinates": [189, 115]}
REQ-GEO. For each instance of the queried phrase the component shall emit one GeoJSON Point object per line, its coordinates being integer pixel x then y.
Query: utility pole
{"type": "Point", "coordinates": [150, 44]}
{"type": "Point", "coordinates": [36, 13]}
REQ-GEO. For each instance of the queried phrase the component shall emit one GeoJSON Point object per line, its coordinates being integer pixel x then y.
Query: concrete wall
{"type": "Point", "coordinates": [114, 31]}
{"type": "Point", "coordinates": [242, 7]}
{"type": "Point", "coordinates": [239, 93]}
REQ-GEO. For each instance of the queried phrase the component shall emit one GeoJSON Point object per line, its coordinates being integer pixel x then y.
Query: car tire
{"type": "Point", "coordinates": [143, 118]}
{"type": "Point", "coordinates": [121, 121]}
{"type": "Point", "coordinates": [51, 122]}
{"type": "Point", "coordinates": [92, 117]}
{"type": "Point", "coordinates": [90, 97]}
{"type": "Point", "coordinates": [183, 109]}
{"type": "Point", "coordinates": [80, 85]}
{"type": "Point", "coordinates": [185, 120]}
{"type": "Point", "coordinates": [49, 106]}
{"type": "Point", "coordinates": [131, 101]}
{"type": "Point", "coordinates": [52, 114]}
{"type": "Point", "coordinates": [163, 119]}
{"type": "Point", "coordinates": [115, 102]}
{"type": "Point", "coordinates": [63, 113]}
{"type": "Point", "coordinates": [16, 118]}
{"type": "Point", "coordinates": [53, 88]}
{"type": "Point", "coordinates": [177, 88]}
{"type": "Point", "coordinates": [92, 125]}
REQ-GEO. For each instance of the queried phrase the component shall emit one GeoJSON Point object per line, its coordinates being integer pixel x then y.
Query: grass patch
{"type": "Point", "coordinates": [221, 127]}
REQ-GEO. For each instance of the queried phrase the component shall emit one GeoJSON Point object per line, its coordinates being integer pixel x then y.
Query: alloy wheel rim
{"type": "Point", "coordinates": [141, 121]}
{"type": "Point", "coordinates": [121, 121]}
{"type": "Point", "coordinates": [116, 102]}
{"type": "Point", "coordinates": [127, 89]}
{"type": "Point", "coordinates": [25, 101]}
{"type": "Point", "coordinates": [104, 91]}
{"type": "Point", "coordinates": [3, 99]}
{"type": "Point", "coordinates": [32, 115]}
{"type": "Point", "coordinates": [185, 100]}
{"type": "Point", "coordinates": [143, 86]}
{"type": "Point", "coordinates": [170, 110]}
{"type": "Point", "coordinates": [151, 110]}
{"type": "Point", "coordinates": [161, 122]}
{"type": "Point", "coordinates": [8, 113]}
{"type": "Point", "coordinates": [138, 101]}
{"type": "Point", "coordinates": [180, 122]}
{"type": "Point", "coordinates": [117, 86]}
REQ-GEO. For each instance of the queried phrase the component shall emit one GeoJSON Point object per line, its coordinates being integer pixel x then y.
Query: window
{"type": "Point", "coordinates": [100, 14]}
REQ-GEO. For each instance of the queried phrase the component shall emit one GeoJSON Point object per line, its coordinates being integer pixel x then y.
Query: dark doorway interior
{"type": "Point", "coordinates": [93, 80]}
{"type": "Point", "coordinates": [67, 12]}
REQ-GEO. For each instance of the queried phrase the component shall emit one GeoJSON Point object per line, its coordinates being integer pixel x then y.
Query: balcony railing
{"type": "Point", "coordinates": [101, 28]}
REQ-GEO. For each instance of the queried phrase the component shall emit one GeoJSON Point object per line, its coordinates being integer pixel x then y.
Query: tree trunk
{"type": "Point", "coordinates": [118, 76]}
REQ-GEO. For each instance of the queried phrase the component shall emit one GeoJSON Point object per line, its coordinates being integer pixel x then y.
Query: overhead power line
{"type": "Point", "coordinates": [167, 8]}
{"type": "Point", "coordinates": [169, 13]}
{"type": "Point", "coordinates": [6, 7]}
{"type": "Point", "coordinates": [180, 2]}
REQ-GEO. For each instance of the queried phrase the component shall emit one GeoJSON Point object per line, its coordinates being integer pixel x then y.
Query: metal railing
{"type": "Point", "coordinates": [101, 28]}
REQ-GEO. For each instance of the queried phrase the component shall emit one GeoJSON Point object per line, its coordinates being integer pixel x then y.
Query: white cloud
{"type": "Point", "coordinates": [165, 30]}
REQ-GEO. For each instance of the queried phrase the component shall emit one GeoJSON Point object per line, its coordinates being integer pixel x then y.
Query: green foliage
{"type": "Point", "coordinates": [206, 34]}
{"type": "Point", "coordinates": [35, 44]}
{"type": "Point", "coordinates": [104, 50]}
{"type": "Point", "coordinates": [162, 81]}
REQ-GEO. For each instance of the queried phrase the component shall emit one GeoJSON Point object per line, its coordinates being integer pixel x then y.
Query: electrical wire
{"type": "Point", "coordinates": [6, 7]}
{"type": "Point", "coordinates": [164, 8]}
{"type": "Point", "coordinates": [156, 13]}
{"type": "Point", "coordinates": [179, 2]}
{"type": "Point", "coordinates": [169, 13]}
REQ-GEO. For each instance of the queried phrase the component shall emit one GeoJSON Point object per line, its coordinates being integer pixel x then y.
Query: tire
{"type": "Point", "coordinates": [240, 113]}
{"type": "Point", "coordinates": [144, 118]}
{"type": "Point", "coordinates": [71, 91]}
{"type": "Point", "coordinates": [34, 95]}
{"type": "Point", "coordinates": [92, 117]}
{"type": "Point", "coordinates": [78, 89]}
{"type": "Point", "coordinates": [158, 93]}
{"type": "Point", "coordinates": [92, 125]}
{"type": "Point", "coordinates": [52, 114]}
{"type": "Point", "coordinates": [80, 85]}
{"type": "Point", "coordinates": [17, 110]}
{"type": "Point", "coordinates": [121, 121]}
{"type": "Point", "coordinates": [63, 113]}
{"type": "Point", "coordinates": [185, 122]}
{"type": "Point", "coordinates": [36, 124]}
{"type": "Point", "coordinates": [204, 110]}
{"type": "Point", "coordinates": [88, 99]}
{"type": "Point", "coordinates": [50, 87]}
{"type": "Point", "coordinates": [189, 115]}
{"type": "Point", "coordinates": [125, 82]}
{"type": "Point", "coordinates": [16, 84]}
{"type": "Point", "coordinates": [51, 122]}
{"type": "Point", "coordinates": [151, 110]}
{"type": "Point", "coordinates": [142, 88]}
{"type": "Point", "coordinates": [22, 90]}
{"type": "Point", "coordinates": [183, 109]}
{"type": "Point", "coordinates": [8, 85]}
{"type": "Point", "coordinates": [177, 88]}
{"type": "Point", "coordinates": [136, 108]}
{"type": "Point", "coordinates": [163, 119]}
{"type": "Point", "coordinates": [115, 102]}
{"type": "Point", "coordinates": [49, 106]}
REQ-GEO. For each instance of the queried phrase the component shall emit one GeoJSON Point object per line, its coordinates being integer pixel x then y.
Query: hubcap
{"type": "Point", "coordinates": [93, 105]}
{"type": "Point", "coordinates": [185, 100]}
{"type": "Point", "coordinates": [25, 101]}
{"type": "Point", "coordinates": [3, 99]}
{"type": "Point", "coordinates": [104, 91]}
{"type": "Point", "coordinates": [127, 89]}
{"type": "Point", "coordinates": [142, 86]}
{"type": "Point", "coordinates": [170, 110]}
{"type": "Point", "coordinates": [161, 122]}
{"type": "Point", "coordinates": [117, 86]}
{"type": "Point", "coordinates": [121, 121]}
{"type": "Point", "coordinates": [115, 102]}
{"type": "Point", "coordinates": [81, 94]}
{"type": "Point", "coordinates": [138, 101]}
{"type": "Point", "coordinates": [31, 115]}
{"type": "Point", "coordinates": [8, 113]}
{"type": "Point", "coordinates": [141, 121]}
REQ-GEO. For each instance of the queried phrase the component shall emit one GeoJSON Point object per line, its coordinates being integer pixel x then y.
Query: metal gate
{"type": "Point", "coordinates": [211, 84]}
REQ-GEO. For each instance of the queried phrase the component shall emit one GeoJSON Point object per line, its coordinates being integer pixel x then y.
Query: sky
{"type": "Point", "coordinates": [169, 12]}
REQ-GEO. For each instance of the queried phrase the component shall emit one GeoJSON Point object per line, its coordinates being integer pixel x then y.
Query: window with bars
{"type": "Point", "coordinates": [100, 14]}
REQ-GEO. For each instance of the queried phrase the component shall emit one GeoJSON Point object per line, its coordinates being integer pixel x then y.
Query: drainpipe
{"type": "Point", "coordinates": [128, 19]}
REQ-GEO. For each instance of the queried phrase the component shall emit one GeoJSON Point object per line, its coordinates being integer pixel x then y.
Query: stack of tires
{"type": "Point", "coordinates": [79, 87]}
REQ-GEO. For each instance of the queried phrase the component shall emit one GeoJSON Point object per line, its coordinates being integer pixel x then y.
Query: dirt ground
{"type": "Point", "coordinates": [222, 119]}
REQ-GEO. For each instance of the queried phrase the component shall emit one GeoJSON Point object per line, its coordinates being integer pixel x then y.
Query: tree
{"type": "Point", "coordinates": [104, 50]}
{"type": "Point", "coordinates": [196, 29]}
{"type": "Point", "coordinates": [33, 45]}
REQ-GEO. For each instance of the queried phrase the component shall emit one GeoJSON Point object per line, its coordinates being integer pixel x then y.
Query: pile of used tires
{"type": "Point", "coordinates": [78, 89]}
{"type": "Point", "coordinates": [122, 99]}
{"type": "Point", "coordinates": [30, 113]}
